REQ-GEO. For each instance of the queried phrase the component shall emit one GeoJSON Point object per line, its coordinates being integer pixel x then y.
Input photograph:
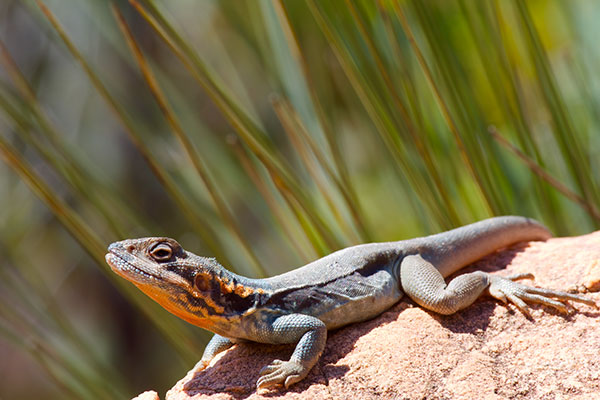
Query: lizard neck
{"type": "Point", "coordinates": [220, 293]}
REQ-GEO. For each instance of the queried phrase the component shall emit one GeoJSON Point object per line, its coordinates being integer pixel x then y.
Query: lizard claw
{"type": "Point", "coordinates": [281, 372]}
{"type": "Point", "coordinates": [506, 289]}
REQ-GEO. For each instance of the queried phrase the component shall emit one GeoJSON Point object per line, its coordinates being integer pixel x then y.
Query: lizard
{"type": "Point", "coordinates": [348, 286]}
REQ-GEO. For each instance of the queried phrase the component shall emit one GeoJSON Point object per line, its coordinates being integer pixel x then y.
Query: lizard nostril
{"type": "Point", "coordinates": [130, 248]}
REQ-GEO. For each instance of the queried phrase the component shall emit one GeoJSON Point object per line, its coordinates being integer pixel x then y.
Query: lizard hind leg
{"type": "Point", "coordinates": [423, 283]}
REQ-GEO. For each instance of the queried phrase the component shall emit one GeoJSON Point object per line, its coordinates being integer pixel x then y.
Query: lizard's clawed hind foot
{"type": "Point", "coordinates": [506, 289]}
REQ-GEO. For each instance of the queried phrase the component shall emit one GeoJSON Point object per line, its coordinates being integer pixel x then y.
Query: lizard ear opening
{"type": "Point", "coordinates": [202, 282]}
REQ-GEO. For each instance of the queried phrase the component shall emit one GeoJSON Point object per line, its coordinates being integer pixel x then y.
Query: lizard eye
{"type": "Point", "coordinates": [161, 252]}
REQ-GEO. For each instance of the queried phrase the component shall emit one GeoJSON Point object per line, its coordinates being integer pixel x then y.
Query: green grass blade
{"type": "Point", "coordinates": [178, 336]}
{"type": "Point", "coordinates": [539, 171]}
{"type": "Point", "coordinates": [68, 161]}
{"type": "Point", "coordinates": [248, 131]}
{"type": "Point", "coordinates": [280, 213]}
{"type": "Point", "coordinates": [292, 125]}
{"type": "Point", "coordinates": [295, 76]}
{"type": "Point", "coordinates": [343, 182]}
{"type": "Point", "coordinates": [383, 120]}
{"type": "Point", "coordinates": [444, 107]}
{"type": "Point", "coordinates": [566, 137]}
{"type": "Point", "coordinates": [203, 229]}
{"type": "Point", "coordinates": [187, 145]}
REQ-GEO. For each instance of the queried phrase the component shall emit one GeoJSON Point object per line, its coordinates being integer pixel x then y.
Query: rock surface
{"type": "Point", "coordinates": [487, 351]}
{"type": "Point", "coordinates": [149, 395]}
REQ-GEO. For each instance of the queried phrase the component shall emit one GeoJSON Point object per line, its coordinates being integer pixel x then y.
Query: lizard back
{"type": "Point", "coordinates": [350, 285]}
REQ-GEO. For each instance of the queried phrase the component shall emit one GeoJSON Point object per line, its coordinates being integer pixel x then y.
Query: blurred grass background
{"type": "Point", "coordinates": [266, 133]}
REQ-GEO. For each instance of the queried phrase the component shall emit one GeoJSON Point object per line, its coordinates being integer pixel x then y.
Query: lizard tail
{"type": "Point", "coordinates": [457, 248]}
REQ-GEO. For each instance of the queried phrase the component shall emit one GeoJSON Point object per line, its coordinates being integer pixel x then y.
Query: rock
{"type": "Point", "coordinates": [487, 351]}
{"type": "Point", "coordinates": [149, 395]}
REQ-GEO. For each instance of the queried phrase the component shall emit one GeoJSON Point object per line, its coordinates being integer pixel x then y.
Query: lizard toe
{"type": "Point", "coordinates": [268, 369]}
{"type": "Point", "coordinates": [290, 380]}
{"type": "Point", "coordinates": [201, 365]}
{"type": "Point", "coordinates": [281, 372]}
{"type": "Point", "coordinates": [524, 275]}
{"type": "Point", "coordinates": [563, 296]}
{"type": "Point", "coordinates": [271, 379]}
{"type": "Point", "coordinates": [535, 298]}
{"type": "Point", "coordinates": [521, 305]}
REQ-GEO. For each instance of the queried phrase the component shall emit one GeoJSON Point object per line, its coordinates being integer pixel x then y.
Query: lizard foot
{"type": "Point", "coordinates": [281, 372]}
{"type": "Point", "coordinates": [506, 289]}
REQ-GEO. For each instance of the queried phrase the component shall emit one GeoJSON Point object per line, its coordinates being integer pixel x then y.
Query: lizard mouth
{"type": "Point", "coordinates": [122, 266]}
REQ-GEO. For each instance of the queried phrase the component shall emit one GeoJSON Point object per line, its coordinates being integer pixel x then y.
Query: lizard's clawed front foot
{"type": "Point", "coordinates": [506, 289]}
{"type": "Point", "coordinates": [281, 372]}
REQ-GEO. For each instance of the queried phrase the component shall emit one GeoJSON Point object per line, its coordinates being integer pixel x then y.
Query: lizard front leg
{"type": "Point", "coordinates": [310, 333]}
{"type": "Point", "coordinates": [216, 345]}
{"type": "Point", "coordinates": [423, 283]}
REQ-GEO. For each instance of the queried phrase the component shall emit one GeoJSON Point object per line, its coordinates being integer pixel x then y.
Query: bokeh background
{"type": "Point", "coordinates": [265, 133]}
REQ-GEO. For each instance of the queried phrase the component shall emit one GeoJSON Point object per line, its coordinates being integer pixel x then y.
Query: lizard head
{"type": "Point", "coordinates": [196, 289]}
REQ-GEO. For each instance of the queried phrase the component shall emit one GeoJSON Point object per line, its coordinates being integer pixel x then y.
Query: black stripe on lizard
{"type": "Point", "coordinates": [350, 285]}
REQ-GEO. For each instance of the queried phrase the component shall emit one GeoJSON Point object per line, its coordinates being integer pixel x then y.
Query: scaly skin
{"type": "Point", "coordinates": [350, 285]}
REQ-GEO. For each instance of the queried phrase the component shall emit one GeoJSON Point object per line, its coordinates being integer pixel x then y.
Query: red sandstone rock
{"type": "Point", "coordinates": [487, 351]}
